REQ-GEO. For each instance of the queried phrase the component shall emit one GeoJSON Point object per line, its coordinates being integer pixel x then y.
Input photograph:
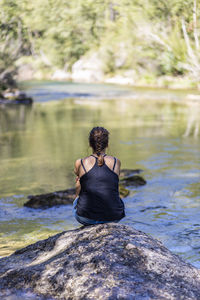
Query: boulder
{"type": "Point", "coordinates": [60, 75]}
{"type": "Point", "coordinates": [25, 71]}
{"type": "Point", "coordinates": [133, 181]}
{"type": "Point", "coordinates": [120, 79]}
{"type": "Point", "coordinates": [129, 172]}
{"type": "Point", "coordinates": [105, 261]}
{"type": "Point", "coordinates": [14, 96]}
{"type": "Point", "coordinates": [88, 69]}
{"type": "Point", "coordinates": [65, 197]}
{"type": "Point", "coordinates": [51, 199]}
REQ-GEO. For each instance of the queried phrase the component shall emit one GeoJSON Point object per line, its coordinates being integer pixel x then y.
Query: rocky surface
{"type": "Point", "coordinates": [65, 197]}
{"type": "Point", "coordinates": [51, 199]}
{"type": "Point", "coordinates": [9, 92]}
{"type": "Point", "coordinates": [88, 68]}
{"type": "Point", "coordinates": [105, 261]}
{"type": "Point", "coordinates": [133, 180]}
{"type": "Point", "coordinates": [14, 96]}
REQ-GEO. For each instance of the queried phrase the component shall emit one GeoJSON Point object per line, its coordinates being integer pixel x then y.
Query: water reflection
{"type": "Point", "coordinates": [39, 144]}
{"type": "Point", "coordinates": [193, 121]}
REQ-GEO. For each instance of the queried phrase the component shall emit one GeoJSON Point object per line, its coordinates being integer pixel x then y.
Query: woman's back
{"type": "Point", "coordinates": [90, 161]}
{"type": "Point", "coordinates": [99, 196]}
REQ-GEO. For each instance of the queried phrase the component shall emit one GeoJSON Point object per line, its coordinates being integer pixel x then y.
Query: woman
{"type": "Point", "coordinates": [97, 193]}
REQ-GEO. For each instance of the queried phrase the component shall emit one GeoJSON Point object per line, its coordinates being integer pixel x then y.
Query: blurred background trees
{"type": "Point", "coordinates": [153, 38]}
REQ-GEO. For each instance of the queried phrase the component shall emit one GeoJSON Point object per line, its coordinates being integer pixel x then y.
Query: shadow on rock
{"type": "Point", "coordinates": [105, 261]}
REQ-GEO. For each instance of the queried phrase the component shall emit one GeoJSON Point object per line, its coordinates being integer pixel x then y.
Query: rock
{"type": "Point", "coordinates": [88, 69]}
{"type": "Point", "coordinates": [61, 75]}
{"type": "Point", "coordinates": [51, 199]}
{"type": "Point", "coordinates": [65, 197]}
{"type": "Point", "coordinates": [120, 79]}
{"type": "Point", "coordinates": [129, 172]}
{"type": "Point", "coordinates": [14, 96]}
{"type": "Point", "coordinates": [134, 181]}
{"type": "Point", "coordinates": [105, 261]}
{"type": "Point", "coordinates": [25, 71]}
{"type": "Point", "coordinates": [123, 191]}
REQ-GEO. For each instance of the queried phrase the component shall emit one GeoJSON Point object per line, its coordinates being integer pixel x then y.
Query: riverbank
{"type": "Point", "coordinates": [106, 261]}
{"type": "Point", "coordinates": [90, 69]}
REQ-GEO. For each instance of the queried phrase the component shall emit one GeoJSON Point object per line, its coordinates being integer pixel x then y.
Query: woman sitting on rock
{"type": "Point", "coordinates": [97, 193]}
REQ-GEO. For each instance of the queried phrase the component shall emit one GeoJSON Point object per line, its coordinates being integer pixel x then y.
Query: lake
{"type": "Point", "coordinates": [155, 130]}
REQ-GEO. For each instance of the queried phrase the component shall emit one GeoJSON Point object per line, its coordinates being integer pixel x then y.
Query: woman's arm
{"type": "Point", "coordinates": [78, 187]}
{"type": "Point", "coordinates": [76, 171]}
{"type": "Point", "coordinates": [118, 166]}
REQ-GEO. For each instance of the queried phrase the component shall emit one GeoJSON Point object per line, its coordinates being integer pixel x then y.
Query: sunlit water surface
{"type": "Point", "coordinates": [153, 130]}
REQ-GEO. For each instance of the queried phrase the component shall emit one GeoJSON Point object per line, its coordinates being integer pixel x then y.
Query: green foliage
{"type": "Point", "coordinates": [148, 33]}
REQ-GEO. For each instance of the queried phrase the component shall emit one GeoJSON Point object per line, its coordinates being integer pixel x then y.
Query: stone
{"type": "Point", "coordinates": [124, 192]}
{"type": "Point", "coordinates": [14, 96]}
{"type": "Point", "coordinates": [60, 75]}
{"type": "Point", "coordinates": [133, 181]}
{"type": "Point", "coordinates": [129, 172]}
{"type": "Point", "coordinates": [88, 68]}
{"type": "Point", "coordinates": [106, 261]}
{"type": "Point", "coordinates": [120, 79]}
{"type": "Point", "coordinates": [63, 197]}
{"type": "Point", "coordinates": [66, 197]}
{"type": "Point", "coordinates": [25, 71]}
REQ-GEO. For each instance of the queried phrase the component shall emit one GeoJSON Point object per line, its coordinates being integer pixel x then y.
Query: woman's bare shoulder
{"type": "Point", "coordinates": [109, 157]}
{"type": "Point", "coordinates": [78, 162]}
{"type": "Point", "coordinates": [88, 157]}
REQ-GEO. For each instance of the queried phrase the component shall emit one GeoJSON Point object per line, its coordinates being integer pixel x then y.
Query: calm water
{"type": "Point", "coordinates": [150, 129]}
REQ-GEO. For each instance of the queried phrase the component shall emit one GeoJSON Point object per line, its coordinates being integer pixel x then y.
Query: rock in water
{"type": "Point", "coordinates": [129, 172]}
{"type": "Point", "coordinates": [51, 199]}
{"type": "Point", "coordinates": [105, 261]}
{"type": "Point", "coordinates": [134, 181]}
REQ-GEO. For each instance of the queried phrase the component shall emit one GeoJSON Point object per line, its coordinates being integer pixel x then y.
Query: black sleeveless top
{"type": "Point", "coordinates": [99, 197]}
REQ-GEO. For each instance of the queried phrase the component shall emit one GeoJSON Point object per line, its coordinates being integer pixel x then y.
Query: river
{"type": "Point", "coordinates": [150, 129]}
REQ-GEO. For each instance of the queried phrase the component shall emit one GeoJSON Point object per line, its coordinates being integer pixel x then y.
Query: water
{"type": "Point", "coordinates": [153, 130]}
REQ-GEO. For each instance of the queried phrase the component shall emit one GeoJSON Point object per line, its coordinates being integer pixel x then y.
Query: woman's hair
{"type": "Point", "coordinates": [98, 139]}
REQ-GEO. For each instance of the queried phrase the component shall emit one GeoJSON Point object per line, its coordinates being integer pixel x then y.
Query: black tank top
{"type": "Point", "coordinates": [99, 197]}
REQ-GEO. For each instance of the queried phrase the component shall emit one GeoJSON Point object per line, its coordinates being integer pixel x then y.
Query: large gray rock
{"type": "Point", "coordinates": [106, 261]}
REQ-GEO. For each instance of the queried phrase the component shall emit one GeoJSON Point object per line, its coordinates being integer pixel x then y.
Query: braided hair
{"type": "Point", "coordinates": [98, 140]}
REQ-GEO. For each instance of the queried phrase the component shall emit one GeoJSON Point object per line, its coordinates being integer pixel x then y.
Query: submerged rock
{"type": "Point", "coordinates": [65, 197]}
{"type": "Point", "coordinates": [124, 192]}
{"type": "Point", "coordinates": [105, 261]}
